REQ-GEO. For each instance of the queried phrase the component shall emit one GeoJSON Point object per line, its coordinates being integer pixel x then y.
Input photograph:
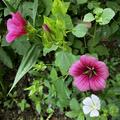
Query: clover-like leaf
{"type": "Point", "coordinates": [88, 17]}
{"type": "Point", "coordinates": [80, 30]}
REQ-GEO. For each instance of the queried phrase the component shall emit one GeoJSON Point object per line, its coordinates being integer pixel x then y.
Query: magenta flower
{"type": "Point", "coordinates": [89, 73]}
{"type": "Point", "coordinates": [16, 27]}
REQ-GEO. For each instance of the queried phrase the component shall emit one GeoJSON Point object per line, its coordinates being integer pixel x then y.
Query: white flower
{"type": "Point", "coordinates": [91, 105]}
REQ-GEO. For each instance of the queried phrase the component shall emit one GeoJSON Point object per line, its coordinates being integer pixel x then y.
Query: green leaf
{"type": "Point", "coordinates": [113, 110]}
{"type": "Point", "coordinates": [38, 107]}
{"type": "Point", "coordinates": [35, 8]}
{"type": "Point", "coordinates": [88, 17]}
{"type": "Point", "coordinates": [74, 105]}
{"type": "Point", "coordinates": [81, 1]}
{"type": "Point", "coordinates": [21, 45]}
{"type": "Point", "coordinates": [5, 58]}
{"type": "Point", "coordinates": [48, 6]}
{"type": "Point", "coordinates": [48, 50]}
{"type": "Point", "coordinates": [93, 4]}
{"type": "Point", "coordinates": [101, 50]}
{"type": "Point", "coordinates": [106, 16]}
{"type": "Point", "coordinates": [23, 104]}
{"type": "Point", "coordinates": [59, 7]}
{"type": "Point", "coordinates": [53, 74]}
{"type": "Point", "coordinates": [113, 5]}
{"type": "Point", "coordinates": [114, 27]}
{"type": "Point", "coordinates": [9, 6]}
{"type": "Point", "coordinates": [80, 30]}
{"type": "Point", "coordinates": [72, 114]}
{"type": "Point", "coordinates": [28, 9]}
{"type": "Point", "coordinates": [81, 116]}
{"type": "Point", "coordinates": [64, 60]}
{"type": "Point", "coordinates": [62, 92]}
{"type": "Point", "coordinates": [68, 22]}
{"type": "Point", "coordinates": [98, 11]}
{"type": "Point", "coordinates": [28, 61]}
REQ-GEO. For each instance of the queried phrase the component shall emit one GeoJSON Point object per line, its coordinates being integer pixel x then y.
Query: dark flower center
{"type": "Point", "coordinates": [90, 71]}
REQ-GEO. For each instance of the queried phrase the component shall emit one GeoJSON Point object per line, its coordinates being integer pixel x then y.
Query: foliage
{"type": "Point", "coordinates": [37, 64]}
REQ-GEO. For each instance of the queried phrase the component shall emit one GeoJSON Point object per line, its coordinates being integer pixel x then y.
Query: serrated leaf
{"type": "Point", "coordinates": [88, 17]}
{"type": "Point", "coordinates": [28, 61]}
{"type": "Point", "coordinates": [80, 30]}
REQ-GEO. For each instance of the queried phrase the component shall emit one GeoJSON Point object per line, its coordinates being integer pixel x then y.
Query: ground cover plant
{"type": "Point", "coordinates": [59, 60]}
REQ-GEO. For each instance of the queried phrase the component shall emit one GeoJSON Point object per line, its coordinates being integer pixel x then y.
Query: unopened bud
{"type": "Point", "coordinates": [46, 28]}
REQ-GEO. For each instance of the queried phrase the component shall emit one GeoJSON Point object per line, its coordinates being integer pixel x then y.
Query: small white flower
{"type": "Point", "coordinates": [91, 105]}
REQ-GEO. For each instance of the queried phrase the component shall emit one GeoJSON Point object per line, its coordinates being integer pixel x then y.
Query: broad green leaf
{"type": "Point", "coordinates": [28, 61]}
{"type": "Point", "coordinates": [101, 50]}
{"type": "Point", "coordinates": [48, 6]}
{"type": "Point", "coordinates": [88, 17]}
{"type": "Point", "coordinates": [47, 50]}
{"type": "Point", "coordinates": [113, 110]}
{"type": "Point", "coordinates": [72, 114]}
{"type": "Point", "coordinates": [21, 45]}
{"type": "Point", "coordinates": [27, 9]}
{"type": "Point", "coordinates": [93, 4]}
{"type": "Point", "coordinates": [113, 5]}
{"type": "Point", "coordinates": [53, 74]}
{"type": "Point", "coordinates": [81, 1]}
{"type": "Point", "coordinates": [5, 58]}
{"type": "Point", "coordinates": [68, 22]}
{"type": "Point", "coordinates": [106, 16]}
{"type": "Point", "coordinates": [81, 116]}
{"type": "Point", "coordinates": [62, 94]}
{"type": "Point", "coordinates": [98, 11]}
{"type": "Point", "coordinates": [64, 60]}
{"type": "Point", "coordinates": [80, 30]}
{"type": "Point", "coordinates": [74, 105]}
{"type": "Point", "coordinates": [35, 8]}
{"type": "Point", "coordinates": [114, 27]}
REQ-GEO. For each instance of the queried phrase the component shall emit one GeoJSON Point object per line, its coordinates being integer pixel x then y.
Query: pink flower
{"type": "Point", "coordinates": [89, 73]}
{"type": "Point", "coordinates": [16, 27]}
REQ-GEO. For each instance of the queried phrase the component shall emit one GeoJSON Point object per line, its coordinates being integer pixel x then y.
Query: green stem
{"type": "Point", "coordinates": [94, 32]}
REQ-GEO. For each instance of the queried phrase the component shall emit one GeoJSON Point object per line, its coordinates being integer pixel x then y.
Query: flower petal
{"type": "Point", "coordinates": [10, 37]}
{"type": "Point", "coordinates": [88, 101]}
{"type": "Point", "coordinates": [76, 69]}
{"type": "Point", "coordinates": [96, 101]}
{"type": "Point", "coordinates": [88, 60]}
{"type": "Point", "coordinates": [97, 83]}
{"type": "Point", "coordinates": [18, 19]}
{"type": "Point", "coordinates": [86, 109]}
{"type": "Point", "coordinates": [94, 113]}
{"type": "Point", "coordinates": [102, 70]}
{"type": "Point", "coordinates": [82, 83]}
